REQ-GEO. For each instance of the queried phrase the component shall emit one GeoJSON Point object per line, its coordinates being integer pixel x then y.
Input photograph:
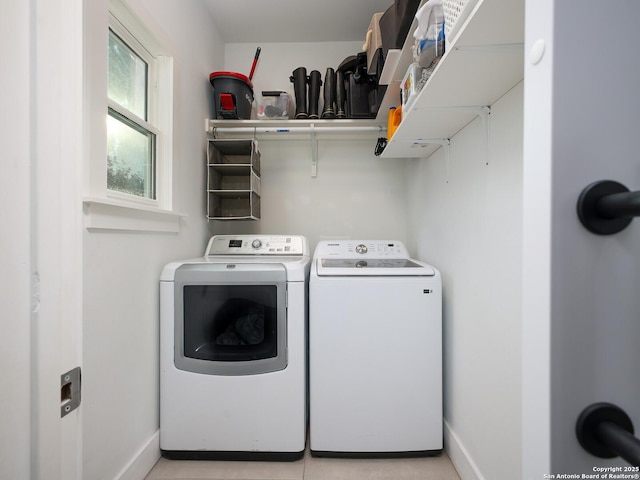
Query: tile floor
{"type": "Point", "coordinates": [308, 468]}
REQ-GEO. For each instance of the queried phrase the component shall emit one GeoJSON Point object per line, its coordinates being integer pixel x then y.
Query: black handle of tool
{"type": "Point", "coordinates": [255, 61]}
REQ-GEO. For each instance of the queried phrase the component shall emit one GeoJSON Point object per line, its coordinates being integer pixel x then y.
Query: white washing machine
{"type": "Point", "coordinates": [233, 346]}
{"type": "Point", "coordinates": [375, 351]}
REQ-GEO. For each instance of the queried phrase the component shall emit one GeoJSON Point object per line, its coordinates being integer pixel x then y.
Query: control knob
{"type": "Point", "coordinates": [361, 248]}
{"type": "Point", "coordinates": [256, 243]}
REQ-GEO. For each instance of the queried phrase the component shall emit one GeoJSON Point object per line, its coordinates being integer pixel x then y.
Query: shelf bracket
{"type": "Point", "coordinates": [314, 153]}
{"type": "Point", "coordinates": [485, 115]}
{"type": "Point", "coordinates": [445, 143]}
{"type": "Point", "coordinates": [446, 147]}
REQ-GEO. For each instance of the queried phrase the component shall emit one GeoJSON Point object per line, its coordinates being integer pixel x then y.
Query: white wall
{"type": "Point", "coordinates": [466, 220]}
{"type": "Point", "coordinates": [121, 270]}
{"type": "Point", "coordinates": [355, 195]}
{"type": "Point", "coordinates": [15, 246]}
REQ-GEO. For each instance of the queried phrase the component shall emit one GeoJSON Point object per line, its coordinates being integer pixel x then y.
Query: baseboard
{"type": "Point", "coordinates": [143, 461]}
{"type": "Point", "coordinates": [459, 456]}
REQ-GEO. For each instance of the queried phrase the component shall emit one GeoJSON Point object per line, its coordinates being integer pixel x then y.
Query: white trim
{"type": "Point", "coordinates": [143, 461]}
{"type": "Point", "coordinates": [133, 201]}
{"type": "Point", "coordinates": [125, 35]}
{"type": "Point", "coordinates": [125, 17]}
{"type": "Point", "coordinates": [56, 147]}
{"type": "Point", "coordinates": [459, 456]}
{"type": "Point", "coordinates": [108, 214]}
{"type": "Point", "coordinates": [163, 83]}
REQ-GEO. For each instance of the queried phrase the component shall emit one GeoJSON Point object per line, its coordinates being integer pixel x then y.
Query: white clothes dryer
{"type": "Point", "coordinates": [375, 351]}
{"type": "Point", "coordinates": [233, 346]}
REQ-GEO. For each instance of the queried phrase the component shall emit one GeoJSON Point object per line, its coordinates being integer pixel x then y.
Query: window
{"type": "Point", "coordinates": [138, 113]}
{"type": "Point", "coordinates": [129, 172]}
{"type": "Point", "coordinates": [131, 133]}
{"type": "Point", "coordinates": [131, 138]}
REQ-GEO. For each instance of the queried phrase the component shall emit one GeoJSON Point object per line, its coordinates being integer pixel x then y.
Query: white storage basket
{"type": "Point", "coordinates": [455, 13]}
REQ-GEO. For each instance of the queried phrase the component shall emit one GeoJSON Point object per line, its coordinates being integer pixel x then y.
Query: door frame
{"type": "Point", "coordinates": [56, 231]}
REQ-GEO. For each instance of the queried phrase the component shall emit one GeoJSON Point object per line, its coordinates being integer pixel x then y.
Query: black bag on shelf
{"type": "Point", "coordinates": [395, 23]}
{"type": "Point", "coordinates": [364, 94]}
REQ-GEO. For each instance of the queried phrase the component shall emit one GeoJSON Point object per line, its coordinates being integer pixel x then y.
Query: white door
{"type": "Point", "coordinates": [581, 302]}
{"type": "Point", "coordinates": [41, 250]}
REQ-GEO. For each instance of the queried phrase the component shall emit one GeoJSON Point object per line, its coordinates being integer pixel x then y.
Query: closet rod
{"type": "Point", "coordinates": [309, 129]}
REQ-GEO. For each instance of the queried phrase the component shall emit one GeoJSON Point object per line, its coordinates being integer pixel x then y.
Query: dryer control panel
{"type": "Point", "coordinates": [257, 245]}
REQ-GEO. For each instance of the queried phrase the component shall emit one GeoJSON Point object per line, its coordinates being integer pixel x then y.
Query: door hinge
{"type": "Point", "coordinates": [70, 391]}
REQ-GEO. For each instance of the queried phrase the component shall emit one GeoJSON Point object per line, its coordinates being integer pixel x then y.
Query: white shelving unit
{"type": "Point", "coordinates": [233, 180]}
{"type": "Point", "coordinates": [482, 62]}
{"type": "Point", "coordinates": [313, 130]}
{"type": "Point", "coordinates": [283, 129]}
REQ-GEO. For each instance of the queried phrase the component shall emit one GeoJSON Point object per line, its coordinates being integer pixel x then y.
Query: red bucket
{"type": "Point", "coordinates": [233, 94]}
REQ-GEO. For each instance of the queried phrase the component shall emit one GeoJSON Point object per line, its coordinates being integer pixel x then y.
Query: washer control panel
{"type": "Point", "coordinates": [256, 245]}
{"type": "Point", "coordinates": [361, 249]}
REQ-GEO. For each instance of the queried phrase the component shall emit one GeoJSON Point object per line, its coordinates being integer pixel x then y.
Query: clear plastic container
{"type": "Point", "coordinates": [411, 85]}
{"type": "Point", "coordinates": [275, 105]}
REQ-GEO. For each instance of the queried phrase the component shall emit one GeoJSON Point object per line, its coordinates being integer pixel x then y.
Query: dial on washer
{"type": "Point", "coordinates": [361, 248]}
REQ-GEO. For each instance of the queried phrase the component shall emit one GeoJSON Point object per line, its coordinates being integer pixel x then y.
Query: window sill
{"type": "Point", "coordinates": [108, 214]}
